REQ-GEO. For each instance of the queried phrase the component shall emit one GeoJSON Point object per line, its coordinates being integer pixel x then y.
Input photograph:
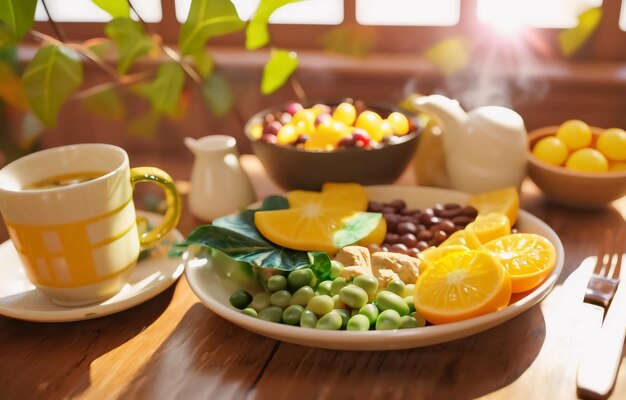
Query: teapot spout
{"type": "Point", "coordinates": [191, 143]}
{"type": "Point", "coordinates": [447, 112]}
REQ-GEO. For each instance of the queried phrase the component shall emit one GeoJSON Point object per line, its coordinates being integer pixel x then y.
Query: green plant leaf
{"type": "Point", "coordinates": [574, 38]}
{"type": "Point", "coordinates": [117, 8]}
{"type": "Point", "coordinates": [257, 34]}
{"type": "Point", "coordinates": [164, 91]}
{"type": "Point", "coordinates": [106, 103]}
{"type": "Point", "coordinates": [351, 40]}
{"type": "Point", "coordinates": [356, 228]}
{"type": "Point", "coordinates": [131, 41]}
{"type": "Point", "coordinates": [278, 69]}
{"type": "Point", "coordinates": [17, 17]}
{"type": "Point", "coordinates": [54, 73]}
{"type": "Point", "coordinates": [217, 94]}
{"type": "Point", "coordinates": [144, 125]}
{"type": "Point", "coordinates": [450, 55]}
{"type": "Point", "coordinates": [207, 19]}
{"type": "Point", "coordinates": [204, 62]}
{"type": "Point", "coordinates": [101, 47]}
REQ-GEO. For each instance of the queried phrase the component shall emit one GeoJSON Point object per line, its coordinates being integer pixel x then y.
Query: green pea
{"type": "Point", "coordinates": [321, 305]}
{"type": "Point", "coordinates": [387, 300]}
{"type": "Point", "coordinates": [408, 322]}
{"type": "Point", "coordinates": [240, 299]}
{"type": "Point", "coordinates": [409, 289]}
{"type": "Point", "coordinates": [358, 322]}
{"type": "Point", "coordinates": [345, 316]}
{"type": "Point", "coordinates": [396, 286]}
{"type": "Point", "coordinates": [338, 303]}
{"type": "Point", "coordinates": [337, 284]}
{"type": "Point", "coordinates": [409, 302]}
{"type": "Point", "coordinates": [276, 283]}
{"type": "Point", "coordinates": [271, 313]}
{"type": "Point", "coordinates": [308, 319]}
{"type": "Point", "coordinates": [302, 296]}
{"type": "Point", "coordinates": [353, 296]}
{"type": "Point", "coordinates": [292, 314]}
{"type": "Point", "coordinates": [250, 311]}
{"type": "Point", "coordinates": [370, 311]}
{"type": "Point", "coordinates": [336, 267]}
{"type": "Point", "coordinates": [367, 282]}
{"type": "Point", "coordinates": [387, 320]}
{"type": "Point", "coordinates": [330, 321]}
{"type": "Point", "coordinates": [324, 287]}
{"type": "Point", "coordinates": [300, 278]}
{"type": "Point", "coordinates": [280, 298]}
{"type": "Point", "coordinates": [418, 317]}
{"type": "Point", "coordinates": [260, 301]}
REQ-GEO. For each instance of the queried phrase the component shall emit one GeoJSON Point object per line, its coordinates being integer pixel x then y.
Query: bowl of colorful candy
{"type": "Point", "coordinates": [304, 146]}
{"type": "Point", "coordinates": [578, 165]}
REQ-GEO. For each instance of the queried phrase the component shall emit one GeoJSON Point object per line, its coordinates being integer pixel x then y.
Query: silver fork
{"type": "Point", "coordinates": [605, 277]}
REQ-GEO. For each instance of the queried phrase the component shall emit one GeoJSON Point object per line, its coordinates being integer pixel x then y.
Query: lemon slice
{"type": "Point", "coordinates": [504, 201]}
{"type": "Point", "coordinates": [462, 285]}
{"type": "Point", "coordinates": [464, 238]}
{"type": "Point", "coordinates": [490, 226]}
{"type": "Point", "coordinates": [433, 254]}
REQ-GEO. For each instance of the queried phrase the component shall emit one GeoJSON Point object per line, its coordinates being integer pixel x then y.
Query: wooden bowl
{"type": "Point", "coordinates": [574, 188]}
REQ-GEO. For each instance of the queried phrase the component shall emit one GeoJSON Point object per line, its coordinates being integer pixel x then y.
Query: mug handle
{"type": "Point", "coordinates": [172, 199]}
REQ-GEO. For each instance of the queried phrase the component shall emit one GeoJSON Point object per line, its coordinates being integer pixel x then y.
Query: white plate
{"type": "Point", "coordinates": [152, 275]}
{"type": "Point", "coordinates": [213, 279]}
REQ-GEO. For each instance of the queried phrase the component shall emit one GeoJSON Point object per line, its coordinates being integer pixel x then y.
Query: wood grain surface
{"type": "Point", "coordinates": [172, 347]}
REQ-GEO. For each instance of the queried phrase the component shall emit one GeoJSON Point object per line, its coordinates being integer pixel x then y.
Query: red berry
{"type": "Point", "coordinates": [293, 108]}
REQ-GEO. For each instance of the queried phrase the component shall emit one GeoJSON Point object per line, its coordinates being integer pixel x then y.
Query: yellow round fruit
{"type": "Point", "coordinates": [587, 160]}
{"type": "Point", "coordinates": [327, 135]}
{"type": "Point", "coordinates": [575, 134]}
{"type": "Point", "coordinates": [399, 123]}
{"type": "Point", "coordinates": [551, 150]}
{"type": "Point", "coordinates": [371, 122]}
{"type": "Point", "coordinates": [346, 113]}
{"type": "Point", "coordinates": [462, 285]}
{"type": "Point", "coordinates": [612, 143]}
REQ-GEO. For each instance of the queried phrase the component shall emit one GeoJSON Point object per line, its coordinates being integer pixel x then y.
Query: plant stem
{"type": "Point", "coordinates": [57, 29]}
{"type": "Point", "coordinates": [127, 80]}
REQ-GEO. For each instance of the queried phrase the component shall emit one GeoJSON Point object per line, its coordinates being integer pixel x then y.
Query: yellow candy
{"type": "Point", "coordinates": [306, 116]}
{"type": "Point", "coordinates": [327, 136]}
{"type": "Point", "coordinates": [399, 123]}
{"type": "Point", "coordinates": [371, 122]}
{"type": "Point", "coordinates": [256, 132]}
{"type": "Point", "coordinates": [587, 160]}
{"type": "Point", "coordinates": [385, 128]}
{"type": "Point", "coordinates": [346, 113]}
{"type": "Point", "coordinates": [287, 134]}
{"type": "Point", "coordinates": [551, 150]}
{"type": "Point", "coordinates": [575, 134]}
{"type": "Point", "coordinates": [612, 143]}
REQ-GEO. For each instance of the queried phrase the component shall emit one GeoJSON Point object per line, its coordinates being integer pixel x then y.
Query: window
{"type": "Point", "coordinates": [408, 12]}
{"type": "Point", "coordinates": [86, 11]}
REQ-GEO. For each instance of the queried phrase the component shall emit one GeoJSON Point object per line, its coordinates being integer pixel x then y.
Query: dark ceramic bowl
{"type": "Point", "coordinates": [294, 168]}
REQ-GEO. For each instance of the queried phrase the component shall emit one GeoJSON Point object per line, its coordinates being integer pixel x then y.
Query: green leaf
{"type": "Point", "coordinates": [204, 63]}
{"type": "Point", "coordinates": [131, 41]}
{"type": "Point", "coordinates": [207, 19]}
{"type": "Point", "coordinates": [51, 77]}
{"type": "Point", "coordinates": [144, 125]}
{"type": "Point", "coordinates": [351, 40]}
{"type": "Point", "coordinates": [278, 69]}
{"type": "Point", "coordinates": [101, 47]}
{"type": "Point", "coordinates": [117, 8]}
{"type": "Point", "coordinates": [164, 91]}
{"type": "Point", "coordinates": [449, 55]}
{"type": "Point", "coordinates": [356, 228]}
{"type": "Point", "coordinates": [106, 103]}
{"type": "Point", "coordinates": [17, 17]}
{"type": "Point", "coordinates": [257, 34]}
{"type": "Point", "coordinates": [217, 94]}
{"type": "Point", "coordinates": [573, 39]}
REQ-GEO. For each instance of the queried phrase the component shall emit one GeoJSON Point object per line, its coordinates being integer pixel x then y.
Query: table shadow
{"type": "Point", "coordinates": [56, 357]}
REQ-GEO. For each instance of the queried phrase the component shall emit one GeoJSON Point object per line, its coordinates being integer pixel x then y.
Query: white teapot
{"type": "Point", "coordinates": [484, 149]}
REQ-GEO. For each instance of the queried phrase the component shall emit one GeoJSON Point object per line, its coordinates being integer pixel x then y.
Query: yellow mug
{"type": "Point", "coordinates": [70, 215]}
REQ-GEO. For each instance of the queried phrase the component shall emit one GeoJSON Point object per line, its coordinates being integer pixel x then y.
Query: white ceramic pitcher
{"type": "Point", "coordinates": [219, 185]}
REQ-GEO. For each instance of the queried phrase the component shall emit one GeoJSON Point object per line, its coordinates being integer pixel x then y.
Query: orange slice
{"type": "Point", "coordinates": [504, 201]}
{"type": "Point", "coordinates": [464, 238]}
{"type": "Point", "coordinates": [528, 257]}
{"type": "Point", "coordinates": [432, 254]}
{"type": "Point", "coordinates": [462, 285]}
{"type": "Point", "coordinates": [349, 196]}
{"type": "Point", "coordinates": [490, 226]}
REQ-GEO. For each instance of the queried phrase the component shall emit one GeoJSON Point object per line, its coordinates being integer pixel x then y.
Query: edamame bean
{"type": "Point", "coordinates": [367, 282]}
{"type": "Point", "coordinates": [300, 278]}
{"type": "Point", "coordinates": [336, 267]}
{"type": "Point", "coordinates": [358, 322]}
{"type": "Point", "coordinates": [321, 305]}
{"type": "Point", "coordinates": [240, 299]}
{"type": "Point", "coordinates": [396, 286]}
{"type": "Point", "coordinates": [250, 311]}
{"type": "Point", "coordinates": [260, 301]}
{"type": "Point", "coordinates": [330, 321]}
{"type": "Point", "coordinates": [388, 319]}
{"type": "Point", "coordinates": [308, 319]}
{"type": "Point", "coordinates": [280, 298]}
{"type": "Point", "coordinates": [354, 296]}
{"type": "Point", "coordinates": [324, 287]}
{"type": "Point", "coordinates": [272, 314]}
{"type": "Point", "coordinates": [292, 314]}
{"type": "Point", "coordinates": [276, 283]}
{"type": "Point", "coordinates": [345, 316]}
{"type": "Point", "coordinates": [302, 296]}
{"type": "Point", "coordinates": [387, 300]}
{"type": "Point", "coordinates": [337, 284]}
{"type": "Point", "coordinates": [338, 303]}
{"type": "Point", "coordinates": [418, 317]}
{"type": "Point", "coordinates": [370, 311]}
{"type": "Point", "coordinates": [409, 302]}
{"type": "Point", "coordinates": [409, 289]}
{"type": "Point", "coordinates": [408, 322]}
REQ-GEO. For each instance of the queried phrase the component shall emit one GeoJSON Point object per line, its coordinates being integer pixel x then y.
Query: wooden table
{"type": "Point", "coordinates": [174, 347]}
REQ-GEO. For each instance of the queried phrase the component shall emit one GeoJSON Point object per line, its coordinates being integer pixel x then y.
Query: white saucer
{"type": "Point", "coordinates": [151, 276]}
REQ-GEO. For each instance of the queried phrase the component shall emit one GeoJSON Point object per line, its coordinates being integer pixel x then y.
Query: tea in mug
{"type": "Point", "coordinates": [64, 180]}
